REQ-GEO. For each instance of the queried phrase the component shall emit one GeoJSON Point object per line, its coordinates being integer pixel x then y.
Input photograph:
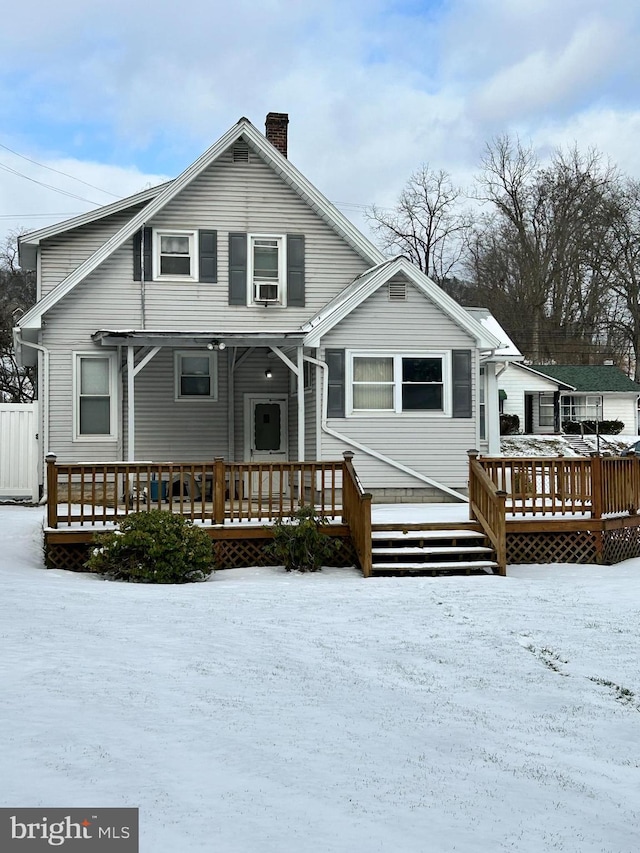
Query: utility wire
{"type": "Point", "coordinates": [47, 186]}
{"type": "Point", "coordinates": [57, 171]}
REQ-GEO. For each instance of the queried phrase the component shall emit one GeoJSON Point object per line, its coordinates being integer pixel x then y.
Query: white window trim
{"type": "Point", "coordinates": [193, 254]}
{"type": "Point", "coordinates": [444, 355]}
{"type": "Point", "coordinates": [282, 276]}
{"type": "Point", "coordinates": [113, 396]}
{"type": "Point", "coordinates": [213, 375]}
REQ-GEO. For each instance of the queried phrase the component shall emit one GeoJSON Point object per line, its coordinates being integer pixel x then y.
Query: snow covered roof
{"type": "Point", "coordinates": [507, 351]}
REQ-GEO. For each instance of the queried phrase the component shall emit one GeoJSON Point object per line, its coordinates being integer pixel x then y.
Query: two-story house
{"type": "Point", "coordinates": [235, 312]}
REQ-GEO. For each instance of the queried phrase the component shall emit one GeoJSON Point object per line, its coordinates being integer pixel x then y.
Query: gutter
{"type": "Point", "coordinates": [369, 450]}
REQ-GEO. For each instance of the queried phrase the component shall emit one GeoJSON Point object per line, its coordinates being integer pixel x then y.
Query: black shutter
{"type": "Point", "coordinates": [137, 265]}
{"type": "Point", "coordinates": [208, 251]}
{"type": "Point", "coordinates": [335, 396]}
{"type": "Point", "coordinates": [295, 270]}
{"type": "Point", "coordinates": [461, 383]}
{"type": "Point", "coordinates": [237, 269]}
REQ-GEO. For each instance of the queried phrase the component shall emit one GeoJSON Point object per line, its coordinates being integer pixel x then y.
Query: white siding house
{"type": "Point", "coordinates": [235, 312]}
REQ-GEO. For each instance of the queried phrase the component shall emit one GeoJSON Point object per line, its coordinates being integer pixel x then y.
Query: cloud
{"type": "Point", "coordinates": [374, 88]}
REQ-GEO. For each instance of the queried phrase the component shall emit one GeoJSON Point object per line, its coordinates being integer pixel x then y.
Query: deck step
{"type": "Point", "coordinates": [444, 549]}
{"type": "Point", "coordinates": [401, 535]}
{"type": "Point", "coordinates": [450, 566]}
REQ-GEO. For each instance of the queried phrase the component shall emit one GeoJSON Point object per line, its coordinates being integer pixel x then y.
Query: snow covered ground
{"type": "Point", "coordinates": [262, 712]}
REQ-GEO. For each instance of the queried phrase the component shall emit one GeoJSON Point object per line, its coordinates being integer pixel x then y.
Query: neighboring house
{"type": "Point", "coordinates": [235, 312]}
{"type": "Point", "coordinates": [545, 396]}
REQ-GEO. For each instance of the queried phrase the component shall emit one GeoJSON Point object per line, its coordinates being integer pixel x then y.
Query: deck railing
{"type": "Point", "coordinates": [487, 507]}
{"type": "Point", "coordinates": [356, 512]}
{"type": "Point", "coordinates": [592, 488]}
{"type": "Point", "coordinates": [542, 486]}
{"type": "Point", "coordinates": [217, 492]}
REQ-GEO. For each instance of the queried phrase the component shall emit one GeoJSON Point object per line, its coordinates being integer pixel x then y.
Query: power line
{"type": "Point", "coordinates": [48, 186]}
{"type": "Point", "coordinates": [57, 171]}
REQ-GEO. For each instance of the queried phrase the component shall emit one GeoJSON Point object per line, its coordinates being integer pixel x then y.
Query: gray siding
{"type": "Point", "coordinates": [62, 254]}
{"type": "Point", "coordinates": [240, 197]}
{"type": "Point", "coordinates": [433, 445]}
{"type": "Point", "coordinates": [227, 197]}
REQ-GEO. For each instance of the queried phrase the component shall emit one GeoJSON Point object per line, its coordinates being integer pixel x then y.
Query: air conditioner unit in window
{"type": "Point", "coordinates": [266, 291]}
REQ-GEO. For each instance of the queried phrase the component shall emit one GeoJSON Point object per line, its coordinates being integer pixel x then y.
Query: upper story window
{"type": "Point", "coordinates": [175, 255]}
{"type": "Point", "coordinates": [400, 383]}
{"type": "Point", "coordinates": [196, 375]}
{"type": "Point", "coordinates": [94, 403]}
{"type": "Point", "coordinates": [267, 270]}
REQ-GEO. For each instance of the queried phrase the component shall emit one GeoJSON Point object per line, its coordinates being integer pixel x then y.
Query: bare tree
{"type": "Point", "coordinates": [428, 224]}
{"type": "Point", "coordinates": [17, 294]}
{"type": "Point", "coordinates": [536, 258]}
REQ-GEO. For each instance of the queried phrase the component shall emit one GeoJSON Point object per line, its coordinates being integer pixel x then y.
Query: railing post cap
{"type": "Point", "coordinates": [50, 457]}
{"type": "Point", "coordinates": [473, 453]}
{"type": "Point", "coordinates": [348, 454]}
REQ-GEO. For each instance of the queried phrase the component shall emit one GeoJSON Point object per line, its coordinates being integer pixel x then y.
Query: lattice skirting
{"type": "Point", "coordinates": [242, 553]}
{"type": "Point", "coordinates": [228, 554]}
{"type": "Point", "coordinates": [68, 556]}
{"type": "Point", "coordinates": [578, 546]}
{"type": "Point", "coordinates": [618, 545]}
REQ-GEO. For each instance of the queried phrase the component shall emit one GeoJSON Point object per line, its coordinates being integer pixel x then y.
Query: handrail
{"type": "Point", "coordinates": [356, 512]}
{"type": "Point", "coordinates": [487, 507]}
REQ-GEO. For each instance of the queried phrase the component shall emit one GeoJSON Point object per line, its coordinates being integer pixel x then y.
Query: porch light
{"type": "Point", "coordinates": [268, 374]}
{"type": "Point", "coordinates": [216, 345]}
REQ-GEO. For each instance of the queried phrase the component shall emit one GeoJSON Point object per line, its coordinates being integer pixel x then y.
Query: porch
{"type": "Point", "coordinates": [520, 510]}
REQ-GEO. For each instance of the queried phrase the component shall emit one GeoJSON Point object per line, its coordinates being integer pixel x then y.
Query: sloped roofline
{"type": "Point", "coordinates": [542, 375]}
{"type": "Point", "coordinates": [243, 128]}
{"type": "Point", "coordinates": [367, 283]}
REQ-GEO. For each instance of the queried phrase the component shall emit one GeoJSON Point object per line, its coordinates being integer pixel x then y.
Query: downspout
{"type": "Point", "coordinates": [369, 450]}
{"type": "Point", "coordinates": [17, 335]}
{"type": "Point", "coordinates": [143, 271]}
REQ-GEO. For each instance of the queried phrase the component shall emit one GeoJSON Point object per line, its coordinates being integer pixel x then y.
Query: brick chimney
{"type": "Point", "coordinates": [276, 130]}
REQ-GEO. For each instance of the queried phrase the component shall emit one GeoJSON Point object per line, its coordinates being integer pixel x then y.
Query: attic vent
{"type": "Point", "coordinates": [241, 152]}
{"type": "Point", "coordinates": [397, 291]}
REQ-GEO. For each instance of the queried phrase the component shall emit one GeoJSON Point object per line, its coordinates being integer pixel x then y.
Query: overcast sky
{"type": "Point", "coordinates": [122, 94]}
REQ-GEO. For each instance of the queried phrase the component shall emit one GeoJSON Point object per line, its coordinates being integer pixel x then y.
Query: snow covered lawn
{"type": "Point", "coordinates": [270, 713]}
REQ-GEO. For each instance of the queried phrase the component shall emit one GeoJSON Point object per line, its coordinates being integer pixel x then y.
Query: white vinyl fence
{"type": "Point", "coordinates": [19, 450]}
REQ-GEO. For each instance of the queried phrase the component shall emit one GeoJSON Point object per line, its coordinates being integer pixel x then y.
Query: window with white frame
{"type": "Point", "coordinates": [576, 407]}
{"type": "Point", "coordinates": [546, 410]}
{"type": "Point", "coordinates": [196, 375]}
{"type": "Point", "coordinates": [175, 254]}
{"type": "Point", "coordinates": [400, 383]}
{"type": "Point", "coordinates": [267, 270]}
{"type": "Point", "coordinates": [94, 378]}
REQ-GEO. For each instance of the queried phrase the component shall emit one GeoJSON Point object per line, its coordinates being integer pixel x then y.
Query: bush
{"type": "Point", "coordinates": [509, 424]}
{"type": "Point", "coordinates": [153, 547]}
{"type": "Point", "coordinates": [299, 544]}
{"type": "Point", "coordinates": [589, 427]}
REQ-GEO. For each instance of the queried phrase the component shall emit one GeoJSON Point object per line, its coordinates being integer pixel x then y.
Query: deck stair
{"type": "Point", "coordinates": [433, 549]}
{"type": "Point", "coordinates": [579, 445]}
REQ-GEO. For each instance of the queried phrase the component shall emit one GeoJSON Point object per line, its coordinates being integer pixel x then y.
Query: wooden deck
{"type": "Point", "coordinates": [533, 510]}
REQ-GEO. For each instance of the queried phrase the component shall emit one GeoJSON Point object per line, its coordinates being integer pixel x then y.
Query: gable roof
{"type": "Point", "coordinates": [527, 368]}
{"type": "Point", "coordinates": [368, 282]}
{"type": "Point", "coordinates": [242, 130]}
{"type": "Point", "coordinates": [507, 351]}
{"type": "Point", "coordinates": [589, 377]}
{"type": "Point", "coordinates": [27, 243]}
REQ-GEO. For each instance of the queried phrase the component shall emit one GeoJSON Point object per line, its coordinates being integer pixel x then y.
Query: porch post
{"type": "Point", "coordinates": [301, 449]}
{"type": "Point", "coordinates": [131, 417]}
{"type": "Point", "coordinates": [492, 409]}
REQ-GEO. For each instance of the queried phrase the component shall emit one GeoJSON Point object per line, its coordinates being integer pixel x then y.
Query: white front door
{"type": "Point", "coordinates": [266, 434]}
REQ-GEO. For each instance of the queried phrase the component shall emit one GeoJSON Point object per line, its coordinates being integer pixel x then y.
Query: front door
{"type": "Point", "coordinates": [266, 438]}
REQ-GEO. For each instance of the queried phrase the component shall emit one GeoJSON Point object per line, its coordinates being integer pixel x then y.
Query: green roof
{"type": "Point", "coordinates": [589, 377]}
